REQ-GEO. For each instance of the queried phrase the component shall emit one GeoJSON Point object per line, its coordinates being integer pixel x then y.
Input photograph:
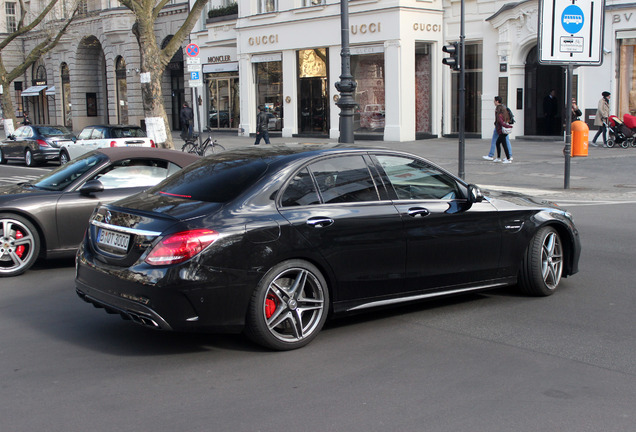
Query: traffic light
{"type": "Point", "coordinates": [453, 60]}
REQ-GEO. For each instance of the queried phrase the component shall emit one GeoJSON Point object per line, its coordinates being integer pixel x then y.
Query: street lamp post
{"type": "Point", "coordinates": [346, 86]}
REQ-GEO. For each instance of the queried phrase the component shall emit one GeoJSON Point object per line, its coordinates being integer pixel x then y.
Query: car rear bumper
{"type": "Point", "coordinates": [166, 298]}
{"type": "Point", "coordinates": [47, 154]}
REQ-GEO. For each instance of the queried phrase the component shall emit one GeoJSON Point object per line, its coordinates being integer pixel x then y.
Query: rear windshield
{"type": "Point", "coordinates": [128, 132]}
{"type": "Point", "coordinates": [53, 130]}
{"type": "Point", "coordinates": [213, 180]}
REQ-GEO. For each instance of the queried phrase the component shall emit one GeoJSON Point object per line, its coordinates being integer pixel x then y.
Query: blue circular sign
{"type": "Point", "coordinates": [572, 19]}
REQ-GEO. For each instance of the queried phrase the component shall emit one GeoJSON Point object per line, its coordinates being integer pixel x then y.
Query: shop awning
{"type": "Point", "coordinates": [220, 67]}
{"type": "Point", "coordinates": [33, 91]}
{"type": "Point", "coordinates": [50, 91]}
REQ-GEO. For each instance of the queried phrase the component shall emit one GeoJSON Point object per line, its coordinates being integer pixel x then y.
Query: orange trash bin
{"type": "Point", "coordinates": [580, 137]}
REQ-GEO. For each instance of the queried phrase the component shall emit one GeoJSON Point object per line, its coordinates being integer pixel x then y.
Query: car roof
{"type": "Point", "coordinates": [112, 126]}
{"type": "Point", "coordinates": [180, 158]}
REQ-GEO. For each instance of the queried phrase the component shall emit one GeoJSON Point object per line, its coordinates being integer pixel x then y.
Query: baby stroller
{"type": "Point", "coordinates": [619, 133]}
{"type": "Point", "coordinates": [630, 122]}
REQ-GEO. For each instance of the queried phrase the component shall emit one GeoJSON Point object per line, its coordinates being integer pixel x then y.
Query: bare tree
{"type": "Point", "coordinates": [51, 31]}
{"type": "Point", "coordinates": [154, 60]}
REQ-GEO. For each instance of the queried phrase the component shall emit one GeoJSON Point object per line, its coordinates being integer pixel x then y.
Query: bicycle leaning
{"type": "Point", "coordinates": [207, 147]}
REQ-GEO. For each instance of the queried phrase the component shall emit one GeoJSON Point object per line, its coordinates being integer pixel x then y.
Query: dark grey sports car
{"type": "Point", "coordinates": [273, 240]}
{"type": "Point", "coordinates": [48, 217]}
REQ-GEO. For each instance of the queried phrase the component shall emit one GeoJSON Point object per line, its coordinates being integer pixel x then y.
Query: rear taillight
{"type": "Point", "coordinates": [42, 143]}
{"type": "Point", "coordinates": [181, 246]}
{"type": "Point", "coordinates": [113, 143]}
{"type": "Point", "coordinates": [152, 144]}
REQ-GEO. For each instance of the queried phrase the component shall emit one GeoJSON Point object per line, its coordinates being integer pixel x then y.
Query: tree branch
{"type": "Point", "coordinates": [22, 29]}
{"type": "Point", "coordinates": [185, 29]}
{"type": "Point", "coordinates": [42, 48]}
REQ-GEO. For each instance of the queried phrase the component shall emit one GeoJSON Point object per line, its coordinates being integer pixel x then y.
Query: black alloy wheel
{"type": "Point", "coordinates": [543, 263]}
{"type": "Point", "coordinates": [289, 306]}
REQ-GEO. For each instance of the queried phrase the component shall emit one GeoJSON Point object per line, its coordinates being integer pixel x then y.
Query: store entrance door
{"type": "Point", "coordinates": [223, 102]}
{"type": "Point", "coordinates": [542, 114]}
{"type": "Point", "coordinates": [314, 106]}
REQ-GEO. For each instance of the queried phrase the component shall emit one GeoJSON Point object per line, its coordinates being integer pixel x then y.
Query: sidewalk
{"type": "Point", "coordinates": [538, 167]}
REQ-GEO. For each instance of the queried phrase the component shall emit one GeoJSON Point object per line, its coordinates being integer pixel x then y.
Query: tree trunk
{"type": "Point", "coordinates": [10, 120]}
{"type": "Point", "coordinates": [152, 68]}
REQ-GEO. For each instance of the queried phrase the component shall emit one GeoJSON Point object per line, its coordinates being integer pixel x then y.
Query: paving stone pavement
{"type": "Point", "coordinates": [538, 168]}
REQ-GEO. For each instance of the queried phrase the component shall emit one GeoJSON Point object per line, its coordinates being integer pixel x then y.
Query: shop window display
{"type": "Point", "coordinates": [627, 77]}
{"type": "Point", "coordinates": [369, 114]}
{"type": "Point", "coordinates": [269, 87]}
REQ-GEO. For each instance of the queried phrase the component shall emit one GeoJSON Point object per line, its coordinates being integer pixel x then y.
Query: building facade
{"type": "Point", "coordinates": [92, 76]}
{"type": "Point", "coordinates": [285, 55]}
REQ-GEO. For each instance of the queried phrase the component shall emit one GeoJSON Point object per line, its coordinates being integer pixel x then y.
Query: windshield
{"type": "Point", "coordinates": [128, 132]}
{"type": "Point", "coordinates": [60, 178]}
{"type": "Point", "coordinates": [53, 130]}
{"type": "Point", "coordinates": [213, 180]}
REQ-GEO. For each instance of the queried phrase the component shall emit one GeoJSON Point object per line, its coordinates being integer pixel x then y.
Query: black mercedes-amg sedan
{"type": "Point", "coordinates": [270, 241]}
{"type": "Point", "coordinates": [47, 218]}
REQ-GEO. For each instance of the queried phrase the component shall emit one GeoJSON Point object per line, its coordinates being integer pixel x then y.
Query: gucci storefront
{"type": "Point", "coordinates": [291, 68]}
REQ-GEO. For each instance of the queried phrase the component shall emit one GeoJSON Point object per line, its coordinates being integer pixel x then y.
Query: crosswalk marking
{"type": "Point", "coordinates": [18, 179]}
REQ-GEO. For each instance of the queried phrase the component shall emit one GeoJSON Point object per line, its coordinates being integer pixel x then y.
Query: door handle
{"type": "Point", "coordinates": [319, 222]}
{"type": "Point", "coordinates": [418, 212]}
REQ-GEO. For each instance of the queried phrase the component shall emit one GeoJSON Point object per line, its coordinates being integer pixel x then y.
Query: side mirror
{"type": "Point", "coordinates": [11, 136]}
{"type": "Point", "coordinates": [474, 194]}
{"type": "Point", "coordinates": [91, 187]}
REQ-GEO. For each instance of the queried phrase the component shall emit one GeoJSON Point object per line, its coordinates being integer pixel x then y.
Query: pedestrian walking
{"type": "Point", "coordinates": [186, 116]}
{"type": "Point", "coordinates": [25, 119]}
{"type": "Point", "coordinates": [503, 128]}
{"type": "Point", "coordinates": [602, 115]}
{"type": "Point", "coordinates": [262, 126]}
{"type": "Point", "coordinates": [491, 154]}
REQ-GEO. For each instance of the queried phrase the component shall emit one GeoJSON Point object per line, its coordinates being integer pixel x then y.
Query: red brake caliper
{"type": "Point", "coordinates": [20, 249]}
{"type": "Point", "coordinates": [270, 306]}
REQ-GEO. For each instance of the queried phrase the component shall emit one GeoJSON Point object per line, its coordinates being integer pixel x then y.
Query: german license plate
{"type": "Point", "coordinates": [113, 239]}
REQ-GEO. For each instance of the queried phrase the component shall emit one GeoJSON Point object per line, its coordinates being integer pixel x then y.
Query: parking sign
{"type": "Point", "coordinates": [571, 32]}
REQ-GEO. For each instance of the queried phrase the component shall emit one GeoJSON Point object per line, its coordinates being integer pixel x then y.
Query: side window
{"type": "Point", "coordinates": [134, 173]}
{"type": "Point", "coordinates": [97, 134]}
{"type": "Point", "coordinates": [344, 179]}
{"type": "Point", "coordinates": [300, 191]}
{"type": "Point", "coordinates": [85, 133]}
{"type": "Point", "coordinates": [19, 132]}
{"type": "Point", "coordinates": [416, 180]}
{"type": "Point", "coordinates": [27, 132]}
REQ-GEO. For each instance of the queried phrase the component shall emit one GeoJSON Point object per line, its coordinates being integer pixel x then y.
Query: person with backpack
{"type": "Point", "coordinates": [493, 142]}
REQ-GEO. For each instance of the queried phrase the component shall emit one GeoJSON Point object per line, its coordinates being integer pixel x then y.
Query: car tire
{"type": "Point", "coordinates": [3, 160]}
{"type": "Point", "coordinates": [64, 157]}
{"type": "Point", "coordinates": [289, 306]}
{"type": "Point", "coordinates": [542, 265]}
{"type": "Point", "coordinates": [28, 158]}
{"type": "Point", "coordinates": [19, 245]}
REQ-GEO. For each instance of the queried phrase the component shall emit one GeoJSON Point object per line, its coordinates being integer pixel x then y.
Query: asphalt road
{"type": "Point", "coordinates": [483, 362]}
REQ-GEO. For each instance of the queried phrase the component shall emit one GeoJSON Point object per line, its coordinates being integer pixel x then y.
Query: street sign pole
{"type": "Point", "coordinates": [194, 68]}
{"type": "Point", "coordinates": [567, 151]}
{"type": "Point", "coordinates": [571, 34]}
